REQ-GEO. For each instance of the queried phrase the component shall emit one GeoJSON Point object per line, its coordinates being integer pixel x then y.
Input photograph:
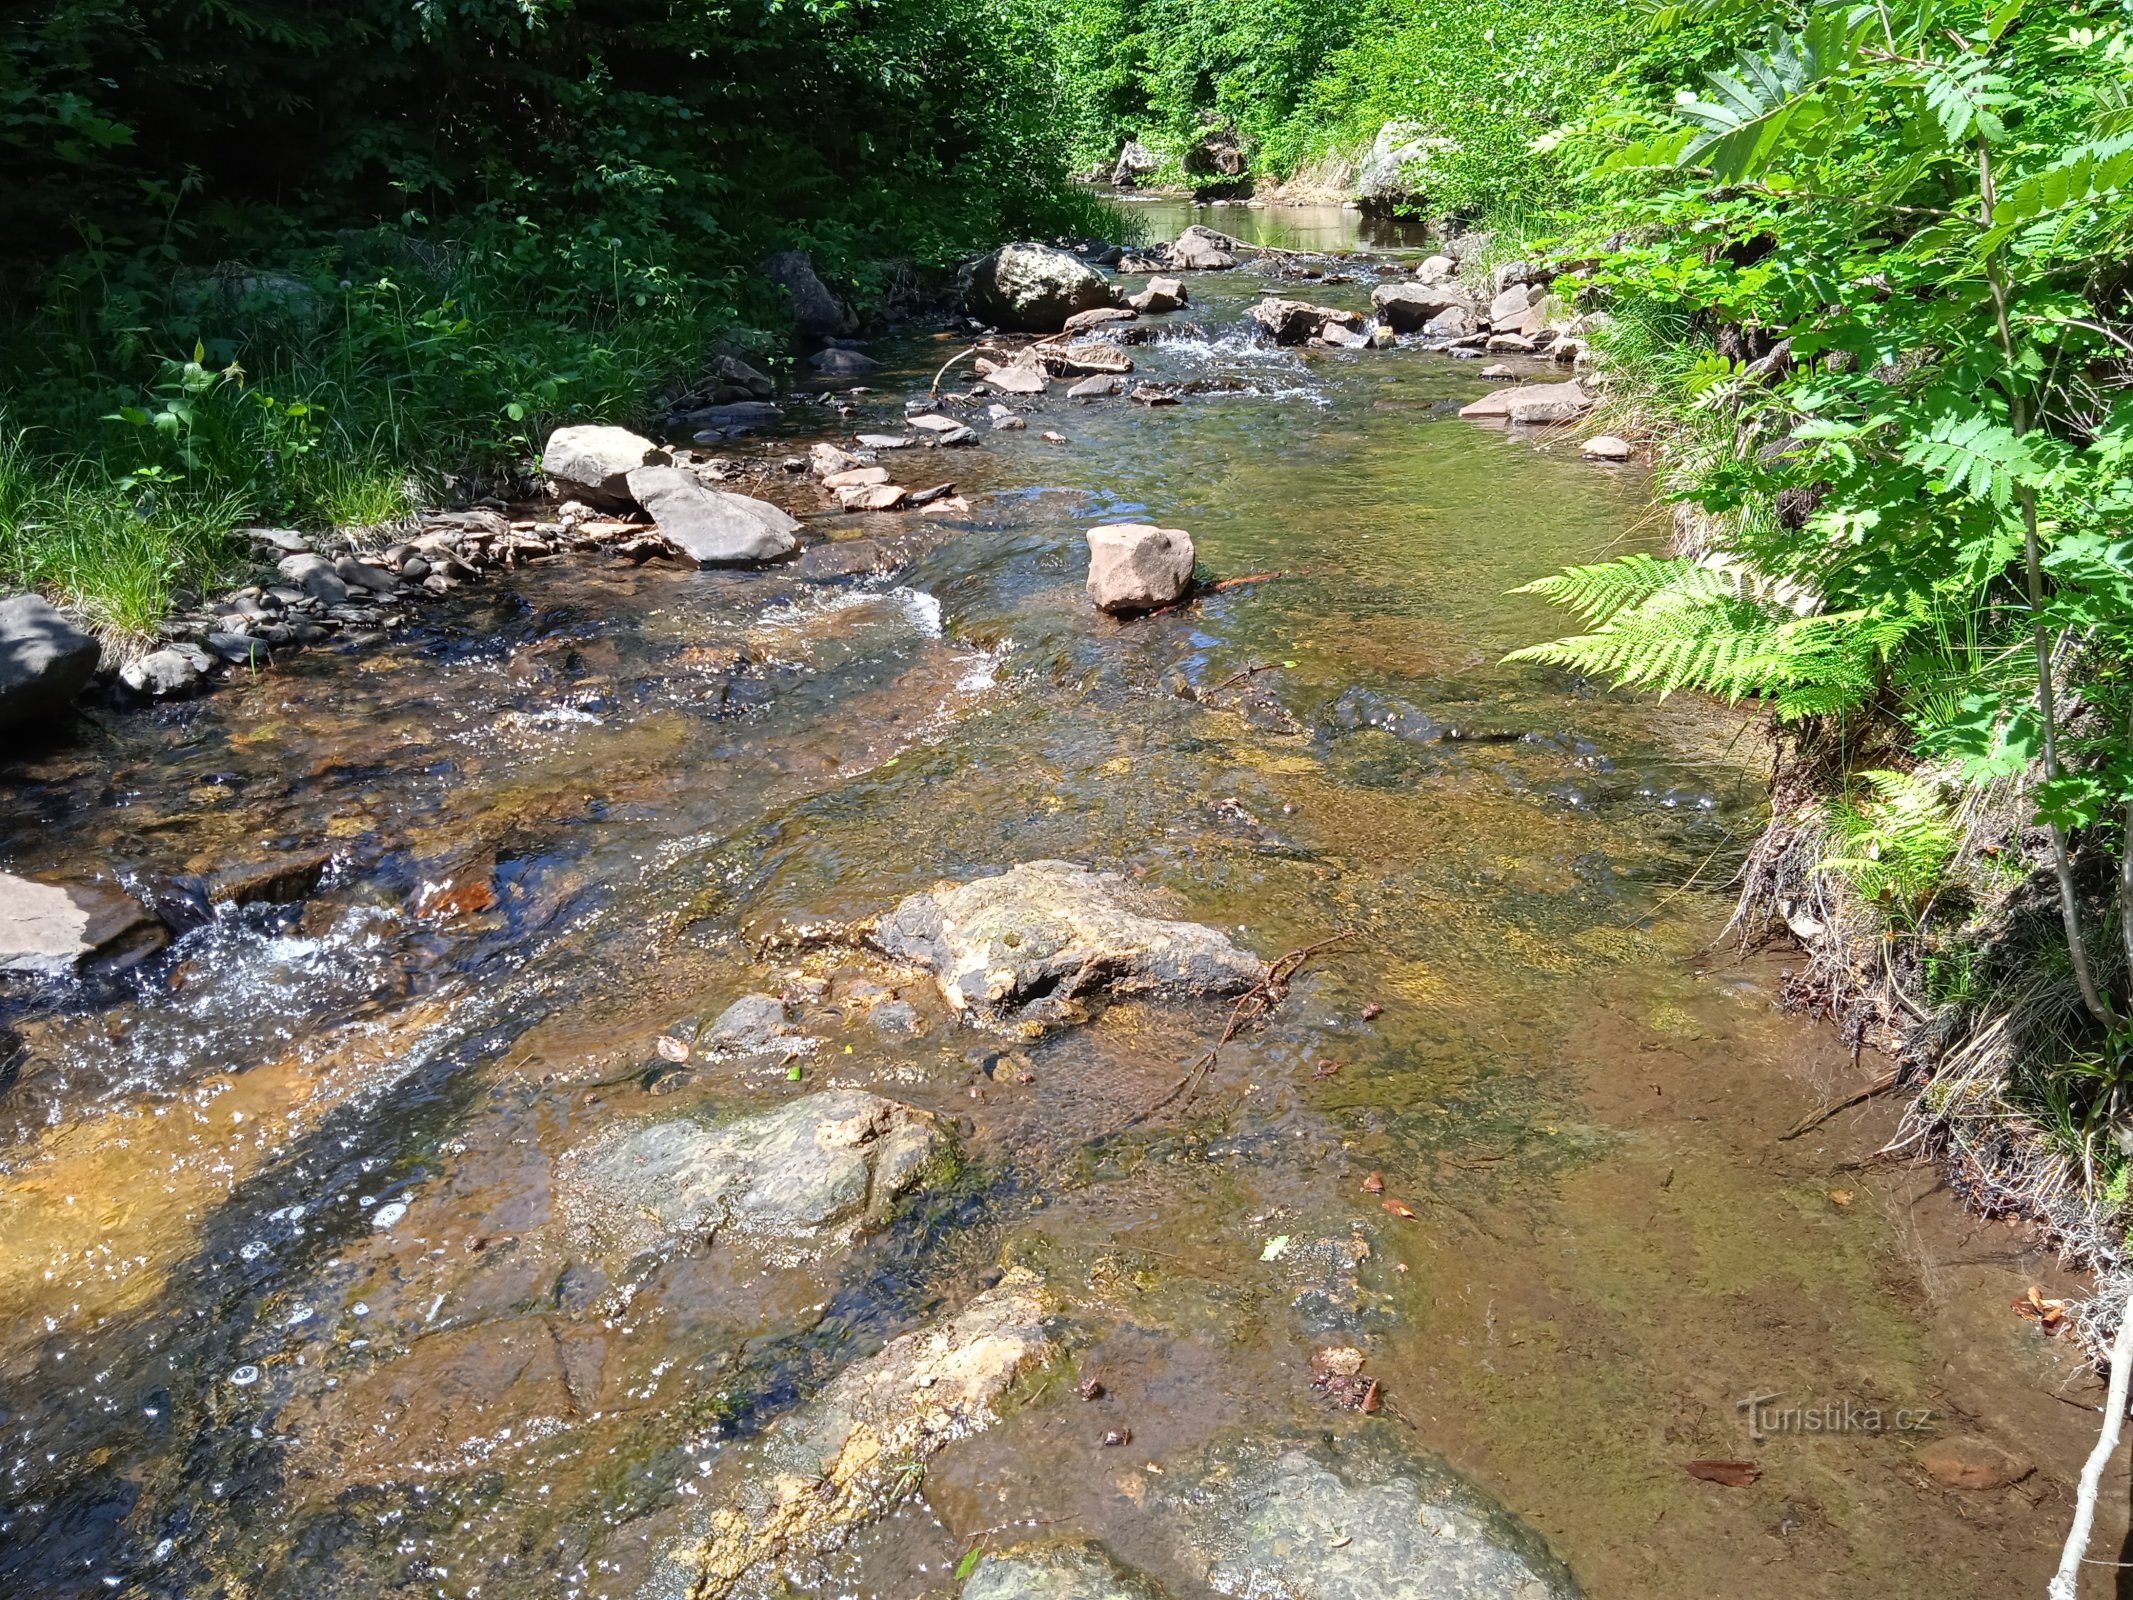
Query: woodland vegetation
{"type": "Point", "coordinates": [1862, 272]}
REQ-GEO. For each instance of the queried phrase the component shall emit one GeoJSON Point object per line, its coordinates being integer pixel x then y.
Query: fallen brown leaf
{"type": "Point", "coordinates": [1399, 1208]}
{"type": "Point", "coordinates": [1326, 1068]}
{"type": "Point", "coordinates": [1840, 1197]}
{"type": "Point", "coordinates": [1373, 1011]}
{"type": "Point", "coordinates": [1733, 1474]}
{"type": "Point", "coordinates": [1373, 1184]}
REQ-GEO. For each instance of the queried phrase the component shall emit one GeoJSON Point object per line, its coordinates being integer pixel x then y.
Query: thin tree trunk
{"type": "Point", "coordinates": [2066, 1582]}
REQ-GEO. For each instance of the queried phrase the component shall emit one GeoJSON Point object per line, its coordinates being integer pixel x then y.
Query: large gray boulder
{"type": "Point", "coordinates": [315, 575]}
{"type": "Point", "coordinates": [52, 930]}
{"type": "Point", "coordinates": [709, 526]}
{"type": "Point", "coordinates": [1161, 294]}
{"type": "Point", "coordinates": [1395, 172]}
{"type": "Point", "coordinates": [1202, 249]}
{"type": "Point", "coordinates": [594, 463]}
{"type": "Point", "coordinates": [1032, 288]}
{"type": "Point", "coordinates": [44, 660]}
{"type": "Point", "coordinates": [1407, 307]}
{"type": "Point", "coordinates": [1055, 930]}
{"type": "Point", "coordinates": [1135, 162]}
{"type": "Point", "coordinates": [814, 309]}
{"type": "Point", "coordinates": [1354, 1519]}
{"type": "Point", "coordinates": [1056, 1569]}
{"type": "Point", "coordinates": [1135, 567]}
{"type": "Point", "coordinates": [1297, 321]}
{"type": "Point", "coordinates": [808, 1174]}
{"type": "Point", "coordinates": [176, 669]}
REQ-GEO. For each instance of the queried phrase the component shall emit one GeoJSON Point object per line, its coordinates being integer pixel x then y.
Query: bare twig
{"type": "Point", "coordinates": [934, 387]}
{"type": "Point", "coordinates": [1234, 678]}
{"type": "Point", "coordinates": [2067, 1579]}
{"type": "Point", "coordinates": [1815, 1119]}
{"type": "Point", "coordinates": [1254, 1005]}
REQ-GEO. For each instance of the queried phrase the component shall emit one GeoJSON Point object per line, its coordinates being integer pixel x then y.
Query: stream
{"type": "Point", "coordinates": [293, 1305]}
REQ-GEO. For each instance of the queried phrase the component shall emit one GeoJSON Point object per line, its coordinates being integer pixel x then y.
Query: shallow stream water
{"type": "Point", "coordinates": [286, 1307]}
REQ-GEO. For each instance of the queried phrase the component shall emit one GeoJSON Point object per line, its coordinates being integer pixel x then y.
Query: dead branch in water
{"type": "Point", "coordinates": [2067, 1580]}
{"type": "Point", "coordinates": [1815, 1119]}
{"type": "Point", "coordinates": [1253, 1006]}
{"type": "Point", "coordinates": [1204, 695]}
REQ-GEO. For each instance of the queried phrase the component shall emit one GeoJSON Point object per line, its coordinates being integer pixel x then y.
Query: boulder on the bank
{"type": "Point", "coordinates": [1435, 269]}
{"type": "Point", "coordinates": [1135, 567]}
{"type": "Point", "coordinates": [1407, 307]}
{"type": "Point", "coordinates": [164, 674]}
{"type": "Point", "coordinates": [1032, 288]}
{"type": "Point", "coordinates": [848, 1455]}
{"type": "Point", "coordinates": [1355, 1518]}
{"type": "Point", "coordinates": [736, 380]}
{"type": "Point", "coordinates": [1135, 161]}
{"type": "Point", "coordinates": [1056, 930]}
{"type": "Point", "coordinates": [1607, 447]}
{"type": "Point", "coordinates": [44, 660]}
{"type": "Point", "coordinates": [710, 527]}
{"type": "Point", "coordinates": [1057, 1569]}
{"type": "Point", "coordinates": [1297, 321]}
{"type": "Point", "coordinates": [1395, 172]}
{"type": "Point", "coordinates": [1217, 152]}
{"type": "Point", "coordinates": [1511, 304]}
{"type": "Point", "coordinates": [1161, 294]}
{"type": "Point", "coordinates": [814, 309]}
{"type": "Point", "coordinates": [594, 463]}
{"type": "Point", "coordinates": [52, 930]}
{"type": "Point", "coordinates": [808, 1174]}
{"type": "Point", "coordinates": [1533, 403]}
{"type": "Point", "coordinates": [314, 575]}
{"type": "Point", "coordinates": [1201, 249]}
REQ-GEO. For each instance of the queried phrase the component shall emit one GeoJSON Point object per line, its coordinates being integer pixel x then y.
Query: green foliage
{"type": "Point", "coordinates": [1892, 838]}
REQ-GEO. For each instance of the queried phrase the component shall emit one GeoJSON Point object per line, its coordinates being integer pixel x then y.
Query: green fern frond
{"type": "Point", "coordinates": [1893, 845]}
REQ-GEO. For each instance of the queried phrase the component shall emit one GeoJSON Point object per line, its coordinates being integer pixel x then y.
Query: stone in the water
{"type": "Point", "coordinates": [1408, 307]}
{"type": "Point", "coordinates": [848, 1456]}
{"type": "Point", "coordinates": [1016, 379]}
{"type": "Point", "coordinates": [856, 478]}
{"type": "Point", "coordinates": [1054, 930]}
{"type": "Point", "coordinates": [173, 670]}
{"type": "Point", "coordinates": [594, 463]}
{"type": "Point", "coordinates": [51, 930]}
{"type": "Point", "coordinates": [755, 1022]}
{"type": "Point", "coordinates": [710, 527]}
{"type": "Point", "coordinates": [1499, 369]}
{"type": "Point", "coordinates": [1454, 322]}
{"type": "Point", "coordinates": [1533, 402]}
{"type": "Point", "coordinates": [872, 497]}
{"type": "Point", "coordinates": [1294, 321]}
{"type": "Point", "coordinates": [1350, 1518]}
{"type": "Point", "coordinates": [1009, 423]}
{"type": "Point", "coordinates": [1082, 321]}
{"type": "Point", "coordinates": [1057, 1569]}
{"type": "Point", "coordinates": [825, 459]}
{"type": "Point", "coordinates": [1088, 358]}
{"type": "Point", "coordinates": [1608, 447]}
{"type": "Point", "coordinates": [885, 441]}
{"type": "Point", "coordinates": [1202, 249]}
{"type": "Point", "coordinates": [1436, 269]}
{"type": "Point", "coordinates": [314, 575]}
{"type": "Point", "coordinates": [1032, 288]}
{"type": "Point", "coordinates": [44, 660]}
{"type": "Point", "coordinates": [715, 422]}
{"type": "Point", "coordinates": [837, 362]}
{"type": "Point", "coordinates": [1343, 337]}
{"type": "Point", "coordinates": [808, 1174]}
{"type": "Point", "coordinates": [732, 372]}
{"type": "Point", "coordinates": [365, 575]}
{"type": "Point", "coordinates": [238, 649]}
{"type": "Point", "coordinates": [1134, 567]}
{"type": "Point", "coordinates": [1095, 388]}
{"type": "Point", "coordinates": [934, 422]}
{"type": "Point", "coordinates": [1162, 294]}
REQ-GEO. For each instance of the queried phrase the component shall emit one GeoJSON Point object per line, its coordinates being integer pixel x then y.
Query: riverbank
{"type": "Point", "coordinates": [1511, 1148]}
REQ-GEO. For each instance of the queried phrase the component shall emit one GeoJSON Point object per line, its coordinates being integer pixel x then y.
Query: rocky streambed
{"type": "Point", "coordinates": [871, 1075]}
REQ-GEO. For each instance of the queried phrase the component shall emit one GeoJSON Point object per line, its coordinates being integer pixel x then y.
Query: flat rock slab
{"type": "Point", "coordinates": [1533, 402]}
{"type": "Point", "coordinates": [809, 1173]}
{"type": "Point", "coordinates": [1057, 930]}
{"type": "Point", "coordinates": [1016, 380]}
{"type": "Point", "coordinates": [1355, 1519]}
{"type": "Point", "coordinates": [847, 1456]}
{"type": "Point", "coordinates": [710, 527]}
{"type": "Point", "coordinates": [44, 660]}
{"type": "Point", "coordinates": [1161, 295]}
{"type": "Point", "coordinates": [51, 930]}
{"type": "Point", "coordinates": [1057, 1569]}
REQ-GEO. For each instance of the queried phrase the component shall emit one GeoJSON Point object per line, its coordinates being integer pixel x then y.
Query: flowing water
{"type": "Point", "coordinates": [289, 1309]}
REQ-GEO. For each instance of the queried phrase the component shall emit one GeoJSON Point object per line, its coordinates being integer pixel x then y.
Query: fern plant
{"type": "Point", "coordinates": [1893, 842]}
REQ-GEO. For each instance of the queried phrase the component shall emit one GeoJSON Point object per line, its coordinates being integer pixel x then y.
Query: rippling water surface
{"type": "Point", "coordinates": [288, 1306]}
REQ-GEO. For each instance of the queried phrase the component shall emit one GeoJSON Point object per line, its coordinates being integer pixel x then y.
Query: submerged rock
{"type": "Point", "coordinates": [1355, 1519]}
{"type": "Point", "coordinates": [809, 1172]}
{"type": "Point", "coordinates": [594, 463]}
{"type": "Point", "coordinates": [849, 1455]}
{"type": "Point", "coordinates": [837, 362]}
{"type": "Point", "coordinates": [1135, 567]}
{"type": "Point", "coordinates": [1533, 403]}
{"type": "Point", "coordinates": [1054, 930]}
{"type": "Point", "coordinates": [1607, 447]}
{"type": "Point", "coordinates": [44, 660]}
{"type": "Point", "coordinates": [1057, 1569]}
{"type": "Point", "coordinates": [1032, 288]}
{"type": "Point", "coordinates": [709, 526]}
{"type": "Point", "coordinates": [1102, 316]}
{"type": "Point", "coordinates": [752, 1024]}
{"type": "Point", "coordinates": [52, 930]}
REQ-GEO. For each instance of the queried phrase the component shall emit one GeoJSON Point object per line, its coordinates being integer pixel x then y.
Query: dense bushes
{"type": "Point", "coordinates": [425, 231]}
